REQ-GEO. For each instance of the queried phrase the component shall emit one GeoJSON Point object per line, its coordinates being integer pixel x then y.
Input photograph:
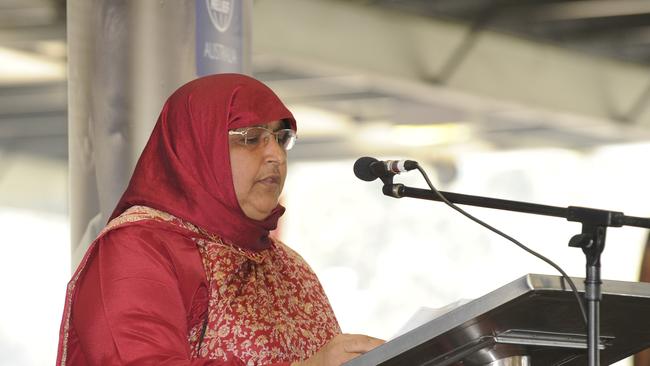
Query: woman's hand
{"type": "Point", "coordinates": [341, 349]}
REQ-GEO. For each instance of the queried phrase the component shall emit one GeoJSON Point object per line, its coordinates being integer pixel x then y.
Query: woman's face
{"type": "Point", "coordinates": [258, 173]}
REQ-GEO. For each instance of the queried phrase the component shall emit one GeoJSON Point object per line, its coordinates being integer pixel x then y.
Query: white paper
{"type": "Point", "coordinates": [425, 314]}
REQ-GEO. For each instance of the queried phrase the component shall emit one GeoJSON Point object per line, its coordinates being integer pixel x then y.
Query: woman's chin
{"type": "Point", "coordinates": [259, 213]}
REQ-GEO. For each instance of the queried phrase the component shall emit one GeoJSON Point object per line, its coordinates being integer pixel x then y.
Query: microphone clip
{"type": "Point", "coordinates": [392, 190]}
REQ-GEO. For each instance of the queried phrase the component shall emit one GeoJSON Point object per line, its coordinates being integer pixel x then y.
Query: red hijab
{"type": "Point", "coordinates": [185, 166]}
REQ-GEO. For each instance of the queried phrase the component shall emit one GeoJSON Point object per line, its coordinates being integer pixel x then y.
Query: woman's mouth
{"type": "Point", "coordinates": [270, 180]}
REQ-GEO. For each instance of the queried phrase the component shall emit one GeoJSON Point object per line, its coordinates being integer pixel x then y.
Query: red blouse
{"type": "Point", "coordinates": [145, 295]}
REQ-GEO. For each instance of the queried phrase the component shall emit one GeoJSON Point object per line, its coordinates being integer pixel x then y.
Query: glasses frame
{"type": "Point", "coordinates": [276, 134]}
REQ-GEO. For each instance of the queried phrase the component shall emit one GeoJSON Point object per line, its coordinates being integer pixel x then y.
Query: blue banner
{"type": "Point", "coordinates": [219, 36]}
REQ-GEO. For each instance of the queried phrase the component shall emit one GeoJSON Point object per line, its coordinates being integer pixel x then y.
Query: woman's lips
{"type": "Point", "coordinates": [271, 180]}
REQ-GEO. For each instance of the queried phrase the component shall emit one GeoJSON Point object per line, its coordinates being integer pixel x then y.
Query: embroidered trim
{"type": "Point", "coordinates": [257, 257]}
{"type": "Point", "coordinates": [274, 311]}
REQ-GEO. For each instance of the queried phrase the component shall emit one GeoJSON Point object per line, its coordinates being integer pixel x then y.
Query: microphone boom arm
{"type": "Point", "coordinates": [572, 213]}
{"type": "Point", "coordinates": [591, 239]}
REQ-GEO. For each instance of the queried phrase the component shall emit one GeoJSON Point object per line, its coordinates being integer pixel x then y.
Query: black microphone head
{"type": "Point", "coordinates": [362, 168]}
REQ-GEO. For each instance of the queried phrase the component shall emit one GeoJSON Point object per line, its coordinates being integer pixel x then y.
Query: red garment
{"type": "Point", "coordinates": [190, 276]}
{"type": "Point", "coordinates": [142, 287]}
{"type": "Point", "coordinates": [143, 300]}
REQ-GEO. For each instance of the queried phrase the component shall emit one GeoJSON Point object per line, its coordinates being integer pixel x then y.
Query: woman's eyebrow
{"type": "Point", "coordinates": [269, 126]}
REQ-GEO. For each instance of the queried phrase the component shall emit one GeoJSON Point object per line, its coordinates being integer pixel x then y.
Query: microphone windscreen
{"type": "Point", "coordinates": [362, 168]}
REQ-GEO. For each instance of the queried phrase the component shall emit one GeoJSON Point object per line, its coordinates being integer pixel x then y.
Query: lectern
{"type": "Point", "coordinates": [533, 320]}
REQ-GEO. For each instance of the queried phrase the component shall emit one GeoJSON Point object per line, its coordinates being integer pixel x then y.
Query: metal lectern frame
{"type": "Point", "coordinates": [591, 240]}
{"type": "Point", "coordinates": [533, 316]}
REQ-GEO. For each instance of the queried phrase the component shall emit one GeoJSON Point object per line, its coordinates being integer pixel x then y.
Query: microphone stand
{"type": "Point", "coordinates": [592, 239]}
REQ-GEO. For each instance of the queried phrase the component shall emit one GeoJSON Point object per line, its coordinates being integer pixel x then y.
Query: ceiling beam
{"type": "Point", "coordinates": [390, 44]}
{"type": "Point", "coordinates": [587, 9]}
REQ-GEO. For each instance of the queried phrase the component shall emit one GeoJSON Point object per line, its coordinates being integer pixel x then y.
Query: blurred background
{"type": "Point", "coordinates": [545, 101]}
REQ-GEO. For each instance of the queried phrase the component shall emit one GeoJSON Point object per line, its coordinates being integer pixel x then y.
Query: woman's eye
{"type": "Point", "coordinates": [254, 136]}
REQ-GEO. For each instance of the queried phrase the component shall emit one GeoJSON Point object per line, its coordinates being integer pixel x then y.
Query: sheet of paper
{"type": "Point", "coordinates": [425, 314]}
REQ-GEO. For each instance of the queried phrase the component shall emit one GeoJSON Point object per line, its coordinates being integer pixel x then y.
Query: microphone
{"type": "Point", "coordinates": [369, 169]}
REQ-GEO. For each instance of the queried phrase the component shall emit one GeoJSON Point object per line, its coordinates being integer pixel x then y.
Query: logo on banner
{"type": "Point", "coordinates": [220, 13]}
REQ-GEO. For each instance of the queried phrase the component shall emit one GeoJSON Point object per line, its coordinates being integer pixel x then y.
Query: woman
{"type": "Point", "coordinates": [185, 272]}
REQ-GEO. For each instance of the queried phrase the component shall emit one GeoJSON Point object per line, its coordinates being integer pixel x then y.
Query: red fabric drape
{"type": "Point", "coordinates": [185, 167]}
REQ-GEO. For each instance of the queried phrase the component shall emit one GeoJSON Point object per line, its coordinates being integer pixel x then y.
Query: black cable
{"type": "Point", "coordinates": [520, 245]}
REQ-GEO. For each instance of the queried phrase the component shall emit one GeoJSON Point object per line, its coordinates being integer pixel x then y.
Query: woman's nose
{"type": "Point", "coordinates": [274, 151]}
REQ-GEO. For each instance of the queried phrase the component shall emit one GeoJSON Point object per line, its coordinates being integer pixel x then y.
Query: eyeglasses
{"type": "Point", "coordinates": [255, 136]}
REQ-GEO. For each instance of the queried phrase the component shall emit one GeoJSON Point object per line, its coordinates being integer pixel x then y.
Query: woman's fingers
{"type": "Point", "coordinates": [341, 349]}
{"type": "Point", "coordinates": [349, 346]}
{"type": "Point", "coordinates": [358, 343]}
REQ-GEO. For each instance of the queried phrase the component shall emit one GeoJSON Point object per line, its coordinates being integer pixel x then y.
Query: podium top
{"type": "Point", "coordinates": [535, 315]}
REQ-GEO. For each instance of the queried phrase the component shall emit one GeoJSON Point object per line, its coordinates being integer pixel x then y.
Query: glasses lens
{"type": "Point", "coordinates": [286, 138]}
{"type": "Point", "coordinates": [255, 135]}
